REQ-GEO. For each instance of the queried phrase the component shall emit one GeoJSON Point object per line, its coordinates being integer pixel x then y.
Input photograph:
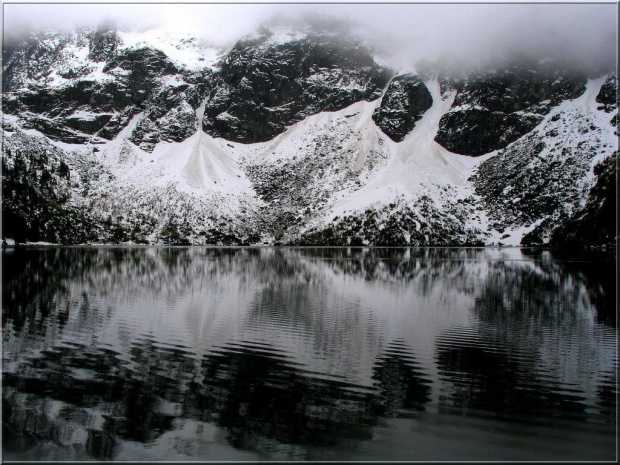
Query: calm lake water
{"type": "Point", "coordinates": [165, 353]}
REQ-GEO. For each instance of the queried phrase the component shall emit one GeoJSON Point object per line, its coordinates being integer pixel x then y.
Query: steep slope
{"type": "Point", "coordinates": [296, 137]}
{"type": "Point", "coordinates": [39, 187]}
{"type": "Point", "coordinates": [135, 93]}
{"type": "Point", "coordinates": [275, 78]}
{"type": "Point", "coordinates": [594, 226]}
{"type": "Point", "coordinates": [187, 192]}
{"type": "Point", "coordinates": [85, 87]}
{"type": "Point", "coordinates": [405, 101]}
{"type": "Point", "coordinates": [494, 108]}
{"type": "Point", "coordinates": [336, 179]}
{"type": "Point", "coordinates": [544, 178]}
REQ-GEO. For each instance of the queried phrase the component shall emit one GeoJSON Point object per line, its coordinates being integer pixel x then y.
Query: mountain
{"type": "Point", "coordinates": [298, 136]}
{"type": "Point", "coordinates": [85, 87]}
{"type": "Point", "coordinates": [273, 79]}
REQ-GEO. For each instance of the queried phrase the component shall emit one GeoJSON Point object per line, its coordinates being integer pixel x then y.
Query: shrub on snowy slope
{"type": "Point", "coordinates": [594, 226]}
{"type": "Point", "coordinates": [36, 193]}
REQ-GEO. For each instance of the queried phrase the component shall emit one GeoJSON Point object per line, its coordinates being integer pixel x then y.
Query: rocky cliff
{"type": "Point", "coordinates": [272, 80]}
{"type": "Point", "coordinates": [84, 88]}
{"type": "Point", "coordinates": [494, 108]}
{"type": "Point", "coordinates": [405, 101]}
{"type": "Point", "coordinates": [297, 136]}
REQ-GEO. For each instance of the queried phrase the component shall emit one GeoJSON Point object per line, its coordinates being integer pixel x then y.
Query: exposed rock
{"type": "Point", "coordinates": [170, 112]}
{"type": "Point", "coordinates": [515, 98]}
{"type": "Point", "coordinates": [608, 94]}
{"type": "Point", "coordinates": [88, 125]}
{"type": "Point", "coordinates": [141, 67]}
{"type": "Point", "coordinates": [404, 102]}
{"type": "Point", "coordinates": [67, 105]}
{"type": "Point", "coordinates": [519, 89]}
{"type": "Point", "coordinates": [104, 43]}
{"type": "Point", "coordinates": [31, 60]}
{"type": "Point", "coordinates": [269, 83]}
{"type": "Point", "coordinates": [54, 89]}
{"type": "Point", "coordinates": [479, 131]}
{"type": "Point", "coordinates": [54, 129]}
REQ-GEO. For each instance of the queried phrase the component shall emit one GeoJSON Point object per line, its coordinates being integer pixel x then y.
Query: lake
{"type": "Point", "coordinates": [174, 353]}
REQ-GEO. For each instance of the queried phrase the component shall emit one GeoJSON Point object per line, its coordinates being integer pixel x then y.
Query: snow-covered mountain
{"type": "Point", "coordinates": [297, 136]}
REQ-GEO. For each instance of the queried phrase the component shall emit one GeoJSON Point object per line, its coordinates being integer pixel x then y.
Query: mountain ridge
{"type": "Point", "coordinates": [293, 138]}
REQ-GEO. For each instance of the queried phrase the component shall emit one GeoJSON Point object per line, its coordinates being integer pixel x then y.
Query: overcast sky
{"type": "Point", "coordinates": [409, 32]}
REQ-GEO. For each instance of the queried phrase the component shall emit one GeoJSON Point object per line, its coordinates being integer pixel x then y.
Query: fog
{"type": "Point", "coordinates": [580, 34]}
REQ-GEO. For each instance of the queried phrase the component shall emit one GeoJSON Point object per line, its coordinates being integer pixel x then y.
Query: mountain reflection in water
{"type": "Point", "coordinates": [306, 353]}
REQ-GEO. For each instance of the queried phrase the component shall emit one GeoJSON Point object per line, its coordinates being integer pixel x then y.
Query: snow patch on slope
{"type": "Point", "coordinates": [200, 165]}
{"type": "Point", "coordinates": [182, 48]}
{"type": "Point", "coordinates": [545, 176]}
{"type": "Point", "coordinates": [72, 62]}
{"type": "Point", "coordinates": [417, 166]}
{"type": "Point", "coordinates": [337, 163]}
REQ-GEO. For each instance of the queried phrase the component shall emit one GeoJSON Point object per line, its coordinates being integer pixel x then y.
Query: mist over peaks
{"type": "Point", "coordinates": [404, 35]}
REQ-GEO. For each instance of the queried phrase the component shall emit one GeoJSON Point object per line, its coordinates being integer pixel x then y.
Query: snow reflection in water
{"type": "Point", "coordinates": [314, 354]}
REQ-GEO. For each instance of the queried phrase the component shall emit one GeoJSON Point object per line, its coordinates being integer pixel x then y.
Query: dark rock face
{"type": "Point", "coordinates": [103, 45]}
{"type": "Point", "coordinates": [97, 99]}
{"type": "Point", "coordinates": [142, 67]}
{"type": "Point", "coordinates": [515, 89]}
{"type": "Point", "coordinates": [493, 109]}
{"type": "Point", "coordinates": [608, 95]}
{"type": "Point", "coordinates": [479, 131]}
{"type": "Point", "coordinates": [594, 226]}
{"type": "Point", "coordinates": [57, 106]}
{"type": "Point", "coordinates": [40, 52]}
{"type": "Point", "coordinates": [55, 130]}
{"type": "Point", "coordinates": [170, 114]}
{"type": "Point", "coordinates": [36, 58]}
{"type": "Point", "coordinates": [268, 85]}
{"type": "Point", "coordinates": [175, 125]}
{"type": "Point", "coordinates": [63, 101]}
{"type": "Point", "coordinates": [405, 101]}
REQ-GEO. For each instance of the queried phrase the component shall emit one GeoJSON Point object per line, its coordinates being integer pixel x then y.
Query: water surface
{"type": "Point", "coordinates": [171, 353]}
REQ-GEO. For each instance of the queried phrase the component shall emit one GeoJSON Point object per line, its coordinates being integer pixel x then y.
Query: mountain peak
{"type": "Point", "coordinates": [298, 135]}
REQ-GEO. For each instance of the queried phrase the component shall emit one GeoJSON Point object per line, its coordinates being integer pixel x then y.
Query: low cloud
{"type": "Point", "coordinates": [579, 34]}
